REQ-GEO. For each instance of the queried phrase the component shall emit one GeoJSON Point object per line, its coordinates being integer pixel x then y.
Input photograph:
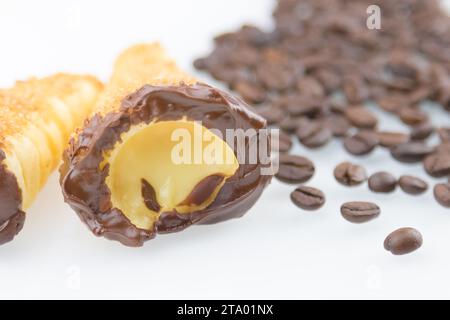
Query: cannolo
{"type": "Point", "coordinates": [129, 175]}
{"type": "Point", "coordinates": [37, 117]}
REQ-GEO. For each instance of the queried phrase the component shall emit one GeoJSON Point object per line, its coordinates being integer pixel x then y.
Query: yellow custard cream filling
{"type": "Point", "coordinates": [173, 157]}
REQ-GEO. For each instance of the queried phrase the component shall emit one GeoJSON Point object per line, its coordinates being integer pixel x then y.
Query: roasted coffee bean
{"type": "Point", "coordinates": [442, 194]}
{"type": "Point", "coordinates": [393, 103]}
{"type": "Point", "coordinates": [294, 169]}
{"type": "Point", "coordinates": [337, 107]}
{"type": "Point", "coordinates": [437, 165]}
{"type": "Point", "coordinates": [339, 125]}
{"type": "Point", "coordinates": [390, 139]}
{"type": "Point", "coordinates": [256, 36]}
{"type": "Point", "coordinates": [443, 148]}
{"type": "Point", "coordinates": [418, 95]}
{"type": "Point", "coordinates": [285, 142]}
{"type": "Point", "coordinates": [403, 241]}
{"type": "Point", "coordinates": [274, 55]}
{"type": "Point", "coordinates": [313, 134]}
{"type": "Point", "coordinates": [377, 92]}
{"type": "Point", "coordinates": [308, 86]}
{"type": "Point", "coordinates": [382, 182]}
{"type": "Point", "coordinates": [411, 152]}
{"type": "Point", "coordinates": [350, 174]}
{"type": "Point", "coordinates": [361, 117]}
{"type": "Point", "coordinates": [250, 92]}
{"type": "Point", "coordinates": [271, 114]}
{"type": "Point", "coordinates": [355, 90]}
{"type": "Point", "coordinates": [412, 116]}
{"type": "Point", "coordinates": [222, 73]}
{"type": "Point", "coordinates": [412, 185]}
{"type": "Point", "coordinates": [329, 79]}
{"type": "Point", "coordinates": [244, 56]}
{"type": "Point", "coordinates": [421, 131]}
{"type": "Point", "coordinates": [275, 76]}
{"type": "Point", "coordinates": [201, 63]}
{"type": "Point", "coordinates": [360, 212]}
{"type": "Point", "coordinates": [298, 105]}
{"type": "Point", "coordinates": [444, 134]}
{"type": "Point", "coordinates": [308, 198]}
{"type": "Point", "coordinates": [363, 142]}
{"type": "Point", "coordinates": [290, 124]}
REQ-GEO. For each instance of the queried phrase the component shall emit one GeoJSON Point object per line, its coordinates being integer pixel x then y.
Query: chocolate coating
{"type": "Point", "coordinates": [83, 182]}
{"type": "Point", "coordinates": [12, 217]}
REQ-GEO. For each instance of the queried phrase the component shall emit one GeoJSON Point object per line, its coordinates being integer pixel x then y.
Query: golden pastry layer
{"type": "Point", "coordinates": [37, 117]}
{"type": "Point", "coordinates": [139, 65]}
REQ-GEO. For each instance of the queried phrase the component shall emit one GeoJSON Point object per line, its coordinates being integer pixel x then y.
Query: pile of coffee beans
{"type": "Point", "coordinates": [313, 75]}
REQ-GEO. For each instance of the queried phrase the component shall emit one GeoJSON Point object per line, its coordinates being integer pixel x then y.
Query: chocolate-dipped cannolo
{"type": "Point", "coordinates": [129, 172]}
{"type": "Point", "coordinates": [36, 119]}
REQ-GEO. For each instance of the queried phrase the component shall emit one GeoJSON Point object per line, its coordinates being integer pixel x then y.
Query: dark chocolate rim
{"type": "Point", "coordinates": [84, 186]}
{"type": "Point", "coordinates": [12, 218]}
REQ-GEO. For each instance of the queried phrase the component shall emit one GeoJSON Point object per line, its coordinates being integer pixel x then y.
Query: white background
{"type": "Point", "coordinates": [275, 251]}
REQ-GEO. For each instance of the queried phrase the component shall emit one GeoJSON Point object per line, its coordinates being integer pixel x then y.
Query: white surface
{"type": "Point", "coordinates": [276, 251]}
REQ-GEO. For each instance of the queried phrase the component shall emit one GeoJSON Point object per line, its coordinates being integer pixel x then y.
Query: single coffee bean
{"type": "Point", "coordinates": [355, 90]}
{"type": "Point", "coordinates": [201, 63]}
{"type": "Point", "coordinates": [400, 84]}
{"type": "Point", "coordinates": [363, 142]}
{"type": "Point", "coordinates": [244, 56]}
{"type": "Point", "coordinates": [329, 79]}
{"type": "Point", "coordinates": [412, 116]}
{"type": "Point", "coordinates": [421, 131]}
{"type": "Point", "coordinates": [313, 134]}
{"type": "Point", "coordinates": [250, 92]}
{"type": "Point", "coordinates": [308, 198]}
{"type": "Point", "coordinates": [403, 241]}
{"type": "Point", "coordinates": [222, 73]}
{"type": "Point", "coordinates": [275, 76]}
{"type": "Point", "coordinates": [285, 142]}
{"type": "Point", "coordinates": [442, 194]}
{"type": "Point", "coordinates": [359, 212]}
{"type": "Point", "coordinates": [290, 124]}
{"type": "Point", "coordinates": [338, 125]}
{"type": "Point", "coordinates": [412, 185]}
{"type": "Point", "coordinates": [337, 107]}
{"type": "Point", "coordinates": [309, 86]}
{"type": "Point", "coordinates": [271, 114]}
{"type": "Point", "coordinates": [350, 174]}
{"type": "Point", "coordinates": [418, 95]}
{"type": "Point", "coordinates": [393, 103]}
{"type": "Point", "coordinates": [377, 91]}
{"type": "Point", "coordinates": [410, 152]}
{"type": "Point", "coordinates": [298, 105]}
{"type": "Point", "coordinates": [444, 134]}
{"type": "Point", "coordinates": [437, 165]}
{"type": "Point", "coordinates": [361, 117]}
{"type": "Point", "coordinates": [294, 169]}
{"type": "Point", "coordinates": [442, 148]}
{"type": "Point", "coordinates": [390, 139]}
{"type": "Point", "coordinates": [382, 182]}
